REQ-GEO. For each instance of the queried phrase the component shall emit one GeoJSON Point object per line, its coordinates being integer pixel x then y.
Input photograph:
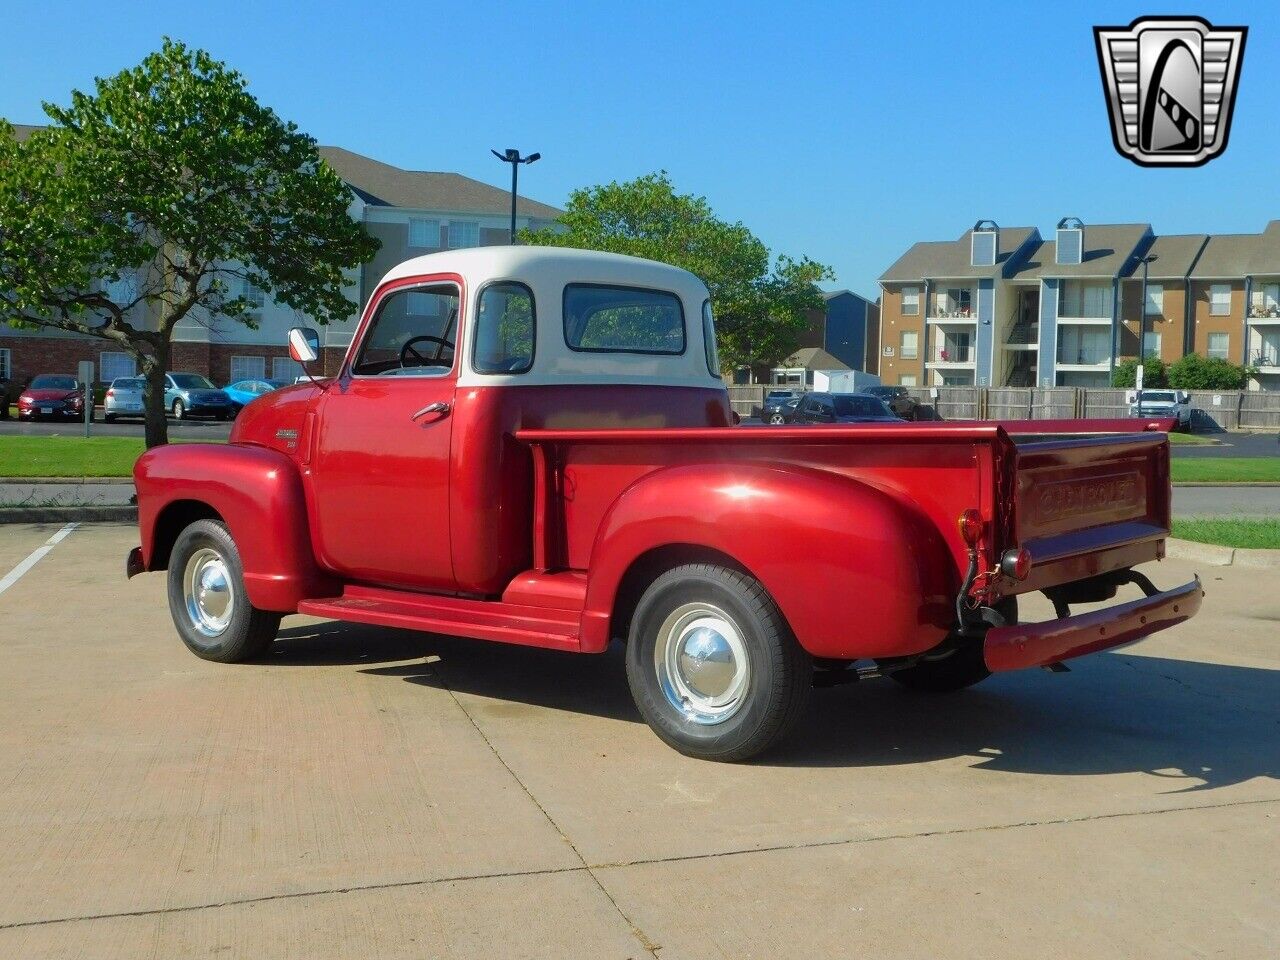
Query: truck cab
{"type": "Point", "coordinates": [534, 446]}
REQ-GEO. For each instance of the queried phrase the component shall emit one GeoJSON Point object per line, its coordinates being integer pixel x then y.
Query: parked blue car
{"type": "Point", "coordinates": [190, 394]}
{"type": "Point", "coordinates": [243, 392]}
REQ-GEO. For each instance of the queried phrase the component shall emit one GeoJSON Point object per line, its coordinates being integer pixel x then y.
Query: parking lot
{"type": "Point", "coordinates": [368, 792]}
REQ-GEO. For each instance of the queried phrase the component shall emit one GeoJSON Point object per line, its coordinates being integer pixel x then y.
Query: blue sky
{"type": "Point", "coordinates": [837, 130]}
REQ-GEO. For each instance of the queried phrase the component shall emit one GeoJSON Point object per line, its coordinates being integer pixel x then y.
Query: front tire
{"type": "Point", "coordinates": [179, 410]}
{"type": "Point", "coordinates": [712, 665]}
{"type": "Point", "coordinates": [208, 601]}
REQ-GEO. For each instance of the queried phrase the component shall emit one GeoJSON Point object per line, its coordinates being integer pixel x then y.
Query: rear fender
{"type": "Point", "coordinates": [856, 570]}
{"type": "Point", "coordinates": [258, 494]}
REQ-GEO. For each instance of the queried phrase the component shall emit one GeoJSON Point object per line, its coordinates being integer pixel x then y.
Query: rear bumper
{"type": "Point", "coordinates": [1040, 644]}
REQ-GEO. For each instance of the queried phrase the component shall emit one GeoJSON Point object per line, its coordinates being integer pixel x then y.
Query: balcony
{"type": "Point", "coordinates": [952, 355]}
{"type": "Point", "coordinates": [961, 314]}
{"type": "Point", "coordinates": [1264, 315]}
{"type": "Point", "coordinates": [1083, 359]}
{"type": "Point", "coordinates": [1093, 321]}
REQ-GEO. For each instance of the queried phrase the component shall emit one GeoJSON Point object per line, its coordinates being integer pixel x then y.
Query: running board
{"type": "Point", "coordinates": [454, 616]}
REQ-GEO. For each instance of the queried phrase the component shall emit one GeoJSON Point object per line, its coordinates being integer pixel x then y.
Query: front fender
{"type": "Point", "coordinates": [257, 492]}
{"type": "Point", "coordinates": [857, 571]}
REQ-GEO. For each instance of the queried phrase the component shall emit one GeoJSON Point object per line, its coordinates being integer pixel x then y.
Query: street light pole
{"type": "Point", "coordinates": [1142, 333]}
{"type": "Point", "coordinates": [513, 157]}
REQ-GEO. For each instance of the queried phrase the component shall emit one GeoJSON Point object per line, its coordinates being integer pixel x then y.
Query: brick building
{"type": "Point", "coordinates": [1007, 307]}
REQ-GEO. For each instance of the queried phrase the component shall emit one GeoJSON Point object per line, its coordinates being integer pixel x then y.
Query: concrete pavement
{"type": "Point", "coordinates": [370, 792]}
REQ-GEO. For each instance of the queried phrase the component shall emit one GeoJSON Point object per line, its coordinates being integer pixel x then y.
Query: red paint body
{"type": "Point", "coordinates": [526, 513]}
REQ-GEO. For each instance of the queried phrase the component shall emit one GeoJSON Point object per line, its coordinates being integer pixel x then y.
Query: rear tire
{"type": "Point", "coordinates": [961, 669]}
{"type": "Point", "coordinates": [712, 665]}
{"type": "Point", "coordinates": [208, 601]}
{"type": "Point", "coordinates": [108, 418]}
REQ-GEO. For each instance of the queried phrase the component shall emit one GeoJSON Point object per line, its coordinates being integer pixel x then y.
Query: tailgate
{"type": "Point", "coordinates": [1085, 506]}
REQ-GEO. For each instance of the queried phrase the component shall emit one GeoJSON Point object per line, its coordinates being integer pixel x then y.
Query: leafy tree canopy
{"type": "Point", "coordinates": [1154, 374]}
{"type": "Point", "coordinates": [170, 191]}
{"type": "Point", "coordinates": [759, 304]}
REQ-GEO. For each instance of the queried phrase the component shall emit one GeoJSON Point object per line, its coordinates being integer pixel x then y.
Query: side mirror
{"type": "Point", "coordinates": [304, 344]}
{"type": "Point", "coordinates": [1184, 396]}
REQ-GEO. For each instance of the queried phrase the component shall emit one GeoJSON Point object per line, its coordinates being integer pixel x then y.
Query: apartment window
{"type": "Point", "coordinates": [424, 233]}
{"type": "Point", "coordinates": [1084, 345]}
{"type": "Point", "coordinates": [285, 369]}
{"type": "Point", "coordinates": [254, 295]}
{"type": "Point", "coordinates": [1219, 345]}
{"type": "Point", "coordinates": [114, 365]}
{"type": "Point", "coordinates": [1265, 300]}
{"type": "Point", "coordinates": [1085, 300]}
{"type": "Point", "coordinates": [6, 364]}
{"type": "Point", "coordinates": [1155, 300]}
{"type": "Point", "coordinates": [248, 368]}
{"type": "Point", "coordinates": [910, 301]}
{"type": "Point", "coordinates": [123, 290]}
{"type": "Point", "coordinates": [464, 233]}
{"type": "Point", "coordinates": [910, 345]}
{"type": "Point", "coordinates": [1220, 300]}
{"type": "Point", "coordinates": [1151, 343]}
{"type": "Point", "coordinates": [907, 380]}
{"type": "Point", "coordinates": [953, 302]}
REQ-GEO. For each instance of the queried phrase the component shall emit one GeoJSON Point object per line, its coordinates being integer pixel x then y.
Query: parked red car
{"type": "Point", "coordinates": [52, 396]}
{"type": "Point", "coordinates": [534, 446]}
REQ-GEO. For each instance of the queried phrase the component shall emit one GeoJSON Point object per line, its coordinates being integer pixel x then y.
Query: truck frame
{"type": "Point", "coordinates": [535, 446]}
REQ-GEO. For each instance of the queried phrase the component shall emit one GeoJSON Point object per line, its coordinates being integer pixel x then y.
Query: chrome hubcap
{"type": "Point", "coordinates": [702, 663]}
{"type": "Point", "coordinates": [207, 590]}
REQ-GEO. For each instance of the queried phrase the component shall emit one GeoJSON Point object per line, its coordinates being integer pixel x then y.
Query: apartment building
{"type": "Point", "coordinates": [1008, 307]}
{"type": "Point", "coordinates": [411, 212]}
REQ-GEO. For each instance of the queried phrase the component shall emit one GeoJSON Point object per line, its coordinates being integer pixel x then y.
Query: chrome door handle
{"type": "Point", "coordinates": [439, 407]}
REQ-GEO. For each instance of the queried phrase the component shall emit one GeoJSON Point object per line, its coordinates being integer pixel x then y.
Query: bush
{"type": "Point", "coordinates": [1194, 372]}
{"type": "Point", "coordinates": [1126, 373]}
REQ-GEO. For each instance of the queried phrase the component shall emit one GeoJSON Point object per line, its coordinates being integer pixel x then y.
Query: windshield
{"type": "Point", "coordinates": [191, 381]}
{"type": "Point", "coordinates": [1158, 396]}
{"type": "Point", "coordinates": [47, 382]}
{"type": "Point", "coordinates": [860, 407]}
{"type": "Point", "coordinates": [128, 383]}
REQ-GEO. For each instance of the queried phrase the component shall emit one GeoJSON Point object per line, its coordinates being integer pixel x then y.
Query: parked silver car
{"type": "Point", "coordinates": [123, 398]}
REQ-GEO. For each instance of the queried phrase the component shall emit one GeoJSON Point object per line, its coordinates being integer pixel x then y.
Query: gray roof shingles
{"type": "Point", "coordinates": [950, 259]}
{"type": "Point", "coordinates": [1107, 248]}
{"type": "Point", "coordinates": [382, 184]}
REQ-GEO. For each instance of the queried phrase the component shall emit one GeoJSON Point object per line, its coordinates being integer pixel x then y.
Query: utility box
{"type": "Point", "coordinates": [843, 381]}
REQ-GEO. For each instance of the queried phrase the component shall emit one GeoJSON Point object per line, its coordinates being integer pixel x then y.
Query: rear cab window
{"type": "Point", "coordinates": [600, 318]}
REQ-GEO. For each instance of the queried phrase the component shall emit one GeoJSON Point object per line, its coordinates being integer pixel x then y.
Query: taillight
{"type": "Point", "coordinates": [111, 393]}
{"type": "Point", "coordinates": [1016, 563]}
{"type": "Point", "coordinates": [970, 523]}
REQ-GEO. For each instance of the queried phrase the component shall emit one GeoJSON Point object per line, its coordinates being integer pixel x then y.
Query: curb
{"type": "Point", "coordinates": [1220, 483]}
{"type": "Point", "coordinates": [67, 480]}
{"type": "Point", "coordinates": [79, 514]}
{"type": "Point", "coordinates": [1218, 556]}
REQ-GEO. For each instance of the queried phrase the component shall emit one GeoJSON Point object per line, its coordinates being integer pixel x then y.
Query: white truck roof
{"type": "Point", "coordinates": [546, 271]}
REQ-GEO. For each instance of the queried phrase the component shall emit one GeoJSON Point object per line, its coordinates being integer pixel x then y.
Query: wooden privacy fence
{"type": "Point", "coordinates": [1212, 409]}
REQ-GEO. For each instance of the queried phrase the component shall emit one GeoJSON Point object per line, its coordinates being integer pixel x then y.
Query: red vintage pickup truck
{"type": "Point", "coordinates": [535, 446]}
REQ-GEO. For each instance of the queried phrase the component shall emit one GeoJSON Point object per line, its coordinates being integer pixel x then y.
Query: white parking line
{"type": "Point", "coordinates": [14, 575]}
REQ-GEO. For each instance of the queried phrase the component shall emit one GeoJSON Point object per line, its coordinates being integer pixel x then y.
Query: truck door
{"type": "Point", "coordinates": [379, 478]}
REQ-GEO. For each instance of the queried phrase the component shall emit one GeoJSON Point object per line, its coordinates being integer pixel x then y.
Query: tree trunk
{"type": "Point", "coordinates": [154, 368]}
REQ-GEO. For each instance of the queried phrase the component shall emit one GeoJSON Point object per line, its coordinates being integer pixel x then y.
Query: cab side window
{"type": "Point", "coordinates": [505, 328]}
{"type": "Point", "coordinates": [412, 333]}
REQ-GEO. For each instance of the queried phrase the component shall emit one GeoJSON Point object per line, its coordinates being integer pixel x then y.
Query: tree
{"type": "Point", "coordinates": [759, 305]}
{"type": "Point", "coordinates": [169, 193]}
{"type": "Point", "coordinates": [1154, 373]}
{"type": "Point", "coordinates": [1194, 372]}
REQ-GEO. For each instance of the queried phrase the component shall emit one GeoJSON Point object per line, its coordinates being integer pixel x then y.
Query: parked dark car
{"type": "Point", "coordinates": [52, 395]}
{"type": "Point", "coordinates": [779, 406]}
{"type": "Point", "coordinates": [844, 408]}
{"type": "Point", "coordinates": [898, 400]}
